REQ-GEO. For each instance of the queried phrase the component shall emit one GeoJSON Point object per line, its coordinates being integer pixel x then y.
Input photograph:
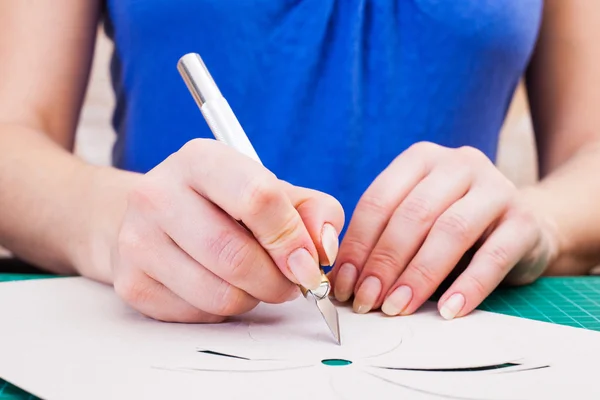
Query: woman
{"type": "Point", "coordinates": [386, 109]}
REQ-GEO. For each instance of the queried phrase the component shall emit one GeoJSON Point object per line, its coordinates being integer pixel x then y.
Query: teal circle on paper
{"type": "Point", "coordinates": [336, 362]}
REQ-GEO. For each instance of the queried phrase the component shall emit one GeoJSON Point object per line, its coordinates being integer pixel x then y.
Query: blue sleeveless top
{"type": "Point", "coordinates": [328, 91]}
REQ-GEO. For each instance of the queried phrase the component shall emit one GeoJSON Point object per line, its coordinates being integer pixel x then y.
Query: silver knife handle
{"type": "Point", "coordinates": [322, 291]}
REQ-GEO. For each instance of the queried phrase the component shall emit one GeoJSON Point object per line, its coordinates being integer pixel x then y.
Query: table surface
{"type": "Point", "coordinates": [573, 301]}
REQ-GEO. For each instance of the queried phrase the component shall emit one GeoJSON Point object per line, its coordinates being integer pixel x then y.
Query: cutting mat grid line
{"type": "Point", "coordinates": [565, 301]}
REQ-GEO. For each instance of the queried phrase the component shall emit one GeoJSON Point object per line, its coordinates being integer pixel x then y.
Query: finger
{"type": "Point", "coordinates": [512, 240]}
{"type": "Point", "coordinates": [195, 284]}
{"type": "Point", "coordinates": [167, 263]}
{"type": "Point", "coordinates": [452, 234]}
{"type": "Point", "coordinates": [407, 230]}
{"type": "Point", "coordinates": [373, 211]}
{"type": "Point", "coordinates": [323, 217]}
{"type": "Point", "coordinates": [248, 192]}
{"type": "Point", "coordinates": [152, 299]}
{"type": "Point", "coordinates": [161, 259]}
{"type": "Point", "coordinates": [219, 248]}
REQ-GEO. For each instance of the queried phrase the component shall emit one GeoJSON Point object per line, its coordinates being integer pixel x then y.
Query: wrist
{"type": "Point", "coordinates": [552, 243]}
{"type": "Point", "coordinates": [106, 193]}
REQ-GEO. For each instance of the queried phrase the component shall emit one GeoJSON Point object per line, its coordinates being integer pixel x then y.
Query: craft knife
{"type": "Point", "coordinates": [226, 128]}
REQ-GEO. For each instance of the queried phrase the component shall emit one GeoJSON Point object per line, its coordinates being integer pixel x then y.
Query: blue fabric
{"type": "Point", "coordinates": [329, 91]}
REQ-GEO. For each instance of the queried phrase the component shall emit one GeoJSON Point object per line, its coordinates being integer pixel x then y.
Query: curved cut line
{"type": "Point", "coordinates": [526, 369]}
{"type": "Point", "coordinates": [388, 351]}
{"type": "Point", "coordinates": [467, 369]}
{"type": "Point", "coordinates": [216, 353]}
{"type": "Point", "coordinates": [245, 371]}
{"type": "Point", "coordinates": [418, 390]}
{"type": "Point", "coordinates": [221, 354]}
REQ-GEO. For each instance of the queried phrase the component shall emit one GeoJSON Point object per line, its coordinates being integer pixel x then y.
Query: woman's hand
{"type": "Point", "coordinates": [419, 218]}
{"type": "Point", "coordinates": [182, 256]}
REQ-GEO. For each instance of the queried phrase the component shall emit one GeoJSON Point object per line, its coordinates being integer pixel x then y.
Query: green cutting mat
{"type": "Point", "coordinates": [566, 301]}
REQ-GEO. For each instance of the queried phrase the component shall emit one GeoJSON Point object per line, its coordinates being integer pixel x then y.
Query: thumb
{"type": "Point", "coordinates": [323, 217]}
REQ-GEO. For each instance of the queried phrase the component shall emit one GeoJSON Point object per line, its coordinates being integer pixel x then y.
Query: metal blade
{"type": "Point", "coordinates": [330, 315]}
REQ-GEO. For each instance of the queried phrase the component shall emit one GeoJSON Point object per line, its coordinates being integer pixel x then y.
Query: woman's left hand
{"type": "Point", "coordinates": [418, 219]}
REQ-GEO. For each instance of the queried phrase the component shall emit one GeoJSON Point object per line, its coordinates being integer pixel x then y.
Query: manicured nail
{"type": "Point", "coordinates": [452, 306]}
{"type": "Point", "coordinates": [345, 281]}
{"type": "Point", "coordinates": [330, 242]}
{"type": "Point", "coordinates": [304, 268]}
{"type": "Point", "coordinates": [397, 301]}
{"type": "Point", "coordinates": [367, 295]}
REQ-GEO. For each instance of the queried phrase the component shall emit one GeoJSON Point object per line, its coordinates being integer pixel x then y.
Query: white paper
{"type": "Point", "coordinates": [71, 338]}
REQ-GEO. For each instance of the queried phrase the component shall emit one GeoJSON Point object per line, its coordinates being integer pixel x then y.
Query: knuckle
{"type": "Point", "coordinates": [504, 198]}
{"type": "Point", "coordinates": [473, 154]}
{"type": "Point", "coordinates": [354, 249]}
{"type": "Point", "coordinates": [286, 232]}
{"type": "Point", "coordinates": [425, 274]}
{"type": "Point", "coordinates": [454, 225]}
{"type": "Point", "coordinates": [335, 207]}
{"type": "Point", "coordinates": [416, 209]}
{"type": "Point", "coordinates": [424, 147]}
{"type": "Point", "coordinates": [133, 291]}
{"type": "Point", "coordinates": [422, 156]}
{"type": "Point", "coordinates": [475, 284]}
{"type": "Point", "coordinates": [385, 260]}
{"type": "Point", "coordinates": [496, 257]}
{"type": "Point", "coordinates": [147, 197]}
{"type": "Point", "coordinates": [374, 204]}
{"type": "Point", "coordinates": [130, 244]}
{"type": "Point", "coordinates": [526, 219]}
{"type": "Point", "coordinates": [198, 158]}
{"type": "Point", "coordinates": [232, 251]}
{"type": "Point", "coordinates": [260, 193]}
{"type": "Point", "coordinates": [228, 300]}
{"type": "Point", "coordinates": [194, 147]}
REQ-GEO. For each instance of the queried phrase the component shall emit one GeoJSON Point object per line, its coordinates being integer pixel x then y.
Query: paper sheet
{"type": "Point", "coordinates": [71, 338]}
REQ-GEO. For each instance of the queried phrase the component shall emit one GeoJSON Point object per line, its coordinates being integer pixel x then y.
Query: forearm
{"type": "Point", "coordinates": [569, 198]}
{"type": "Point", "coordinates": [56, 211]}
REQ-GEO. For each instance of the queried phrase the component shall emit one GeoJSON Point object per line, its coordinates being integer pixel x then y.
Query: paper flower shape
{"type": "Point", "coordinates": [417, 355]}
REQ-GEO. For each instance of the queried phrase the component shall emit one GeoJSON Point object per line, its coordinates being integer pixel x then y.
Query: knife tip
{"type": "Point", "coordinates": [336, 330]}
{"type": "Point", "coordinates": [331, 316]}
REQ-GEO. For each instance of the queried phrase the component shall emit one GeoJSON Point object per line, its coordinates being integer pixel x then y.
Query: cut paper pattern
{"type": "Point", "coordinates": [385, 349]}
{"type": "Point", "coordinates": [72, 338]}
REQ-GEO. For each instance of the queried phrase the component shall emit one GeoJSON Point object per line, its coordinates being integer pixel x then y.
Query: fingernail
{"type": "Point", "coordinates": [452, 306]}
{"type": "Point", "coordinates": [397, 301]}
{"type": "Point", "coordinates": [345, 281]}
{"type": "Point", "coordinates": [330, 242]}
{"type": "Point", "coordinates": [304, 268]}
{"type": "Point", "coordinates": [367, 295]}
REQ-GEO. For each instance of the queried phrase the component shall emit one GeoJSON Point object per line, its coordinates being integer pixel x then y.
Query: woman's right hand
{"type": "Point", "coordinates": [181, 255]}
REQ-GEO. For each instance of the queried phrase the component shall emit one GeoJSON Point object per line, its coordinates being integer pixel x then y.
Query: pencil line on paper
{"type": "Point", "coordinates": [193, 369]}
{"type": "Point", "coordinates": [385, 352]}
{"type": "Point", "coordinates": [525, 369]}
